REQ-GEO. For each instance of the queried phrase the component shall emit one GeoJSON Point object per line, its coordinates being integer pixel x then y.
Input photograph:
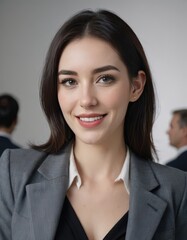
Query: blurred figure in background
{"type": "Point", "coordinates": [9, 108]}
{"type": "Point", "coordinates": [178, 138]}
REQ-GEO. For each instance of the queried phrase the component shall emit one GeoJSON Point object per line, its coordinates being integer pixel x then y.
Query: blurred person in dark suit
{"type": "Point", "coordinates": [9, 108]}
{"type": "Point", "coordinates": [177, 133]}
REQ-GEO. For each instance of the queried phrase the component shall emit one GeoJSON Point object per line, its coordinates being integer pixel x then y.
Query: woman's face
{"type": "Point", "coordinates": [94, 90]}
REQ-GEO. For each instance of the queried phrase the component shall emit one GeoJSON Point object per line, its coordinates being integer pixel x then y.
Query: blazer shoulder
{"type": "Point", "coordinates": [160, 171]}
{"type": "Point", "coordinates": [166, 170]}
{"type": "Point", "coordinates": [171, 178]}
{"type": "Point", "coordinates": [151, 174]}
{"type": "Point", "coordinates": [28, 161]}
{"type": "Point", "coordinates": [22, 160]}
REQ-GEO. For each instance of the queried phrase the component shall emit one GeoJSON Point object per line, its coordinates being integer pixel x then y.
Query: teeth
{"type": "Point", "coordinates": [91, 119]}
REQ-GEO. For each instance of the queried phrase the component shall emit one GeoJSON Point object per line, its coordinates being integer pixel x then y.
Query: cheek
{"type": "Point", "coordinates": [172, 132]}
{"type": "Point", "coordinates": [118, 99]}
{"type": "Point", "coordinates": [64, 101]}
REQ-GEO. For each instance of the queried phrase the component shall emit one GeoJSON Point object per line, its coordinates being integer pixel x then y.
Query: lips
{"type": "Point", "coordinates": [90, 120]}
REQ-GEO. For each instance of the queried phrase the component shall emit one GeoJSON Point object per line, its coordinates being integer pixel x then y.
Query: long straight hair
{"type": "Point", "coordinates": [111, 28]}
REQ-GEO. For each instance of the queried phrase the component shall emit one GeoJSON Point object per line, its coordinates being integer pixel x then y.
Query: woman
{"type": "Point", "coordinates": [95, 177]}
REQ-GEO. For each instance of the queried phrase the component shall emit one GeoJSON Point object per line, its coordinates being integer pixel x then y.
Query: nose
{"type": "Point", "coordinates": [168, 131]}
{"type": "Point", "coordinates": [88, 97]}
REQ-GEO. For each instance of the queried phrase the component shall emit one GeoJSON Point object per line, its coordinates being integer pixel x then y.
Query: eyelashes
{"type": "Point", "coordinates": [106, 79]}
{"type": "Point", "coordinates": [102, 80]}
{"type": "Point", "coordinates": [68, 82]}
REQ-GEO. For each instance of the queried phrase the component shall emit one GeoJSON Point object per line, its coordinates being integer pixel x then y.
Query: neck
{"type": "Point", "coordinates": [183, 143]}
{"type": "Point", "coordinates": [95, 162]}
{"type": "Point", "coordinates": [6, 130]}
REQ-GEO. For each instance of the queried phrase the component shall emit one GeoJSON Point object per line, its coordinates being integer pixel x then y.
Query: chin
{"type": "Point", "coordinates": [90, 140]}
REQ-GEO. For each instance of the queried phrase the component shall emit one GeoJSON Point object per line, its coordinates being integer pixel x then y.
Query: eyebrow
{"type": "Point", "coordinates": [105, 68]}
{"type": "Point", "coordinates": [97, 70]}
{"type": "Point", "coordinates": [66, 72]}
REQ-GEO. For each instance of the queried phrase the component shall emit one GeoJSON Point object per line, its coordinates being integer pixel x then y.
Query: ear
{"type": "Point", "coordinates": [137, 86]}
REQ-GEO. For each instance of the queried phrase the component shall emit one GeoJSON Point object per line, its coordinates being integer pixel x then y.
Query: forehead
{"type": "Point", "coordinates": [87, 49]}
{"type": "Point", "coordinates": [90, 40]}
{"type": "Point", "coordinates": [175, 118]}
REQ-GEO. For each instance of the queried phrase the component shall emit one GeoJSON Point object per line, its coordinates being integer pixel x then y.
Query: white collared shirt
{"type": "Point", "coordinates": [181, 150]}
{"type": "Point", "coordinates": [124, 174]}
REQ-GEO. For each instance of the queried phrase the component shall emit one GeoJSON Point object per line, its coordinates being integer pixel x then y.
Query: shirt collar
{"type": "Point", "coordinates": [124, 174]}
{"type": "Point", "coordinates": [181, 150]}
{"type": "Point", "coordinates": [4, 134]}
{"type": "Point", "coordinates": [73, 171]}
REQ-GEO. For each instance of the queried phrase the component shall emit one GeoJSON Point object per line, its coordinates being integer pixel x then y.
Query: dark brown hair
{"type": "Point", "coordinates": [9, 108]}
{"type": "Point", "coordinates": [112, 29]}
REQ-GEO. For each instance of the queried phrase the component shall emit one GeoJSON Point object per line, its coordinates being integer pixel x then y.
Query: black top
{"type": "Point", "coordinates": [70, 227]}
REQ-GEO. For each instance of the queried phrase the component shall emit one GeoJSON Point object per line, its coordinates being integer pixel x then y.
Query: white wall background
{"type": "Point", "coordinates": [28, 26]}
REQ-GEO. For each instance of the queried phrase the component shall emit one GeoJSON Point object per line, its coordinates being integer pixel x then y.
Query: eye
{"type": "Point", "coordinates": [68, 82]}
{"type": "Point", "coordinates": [106, 79]}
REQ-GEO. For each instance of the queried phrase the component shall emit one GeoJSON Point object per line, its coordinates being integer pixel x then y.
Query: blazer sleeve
{"type": "Point", "coordinates": [181, 219]}
{"type": "Point", "coordinates": [6, 197]}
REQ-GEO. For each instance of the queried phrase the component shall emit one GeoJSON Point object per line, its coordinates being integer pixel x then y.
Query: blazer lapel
{"type": "Point", "coordinates": [146, 209]}
{"type": "Point", "coordinates": [46, 198]}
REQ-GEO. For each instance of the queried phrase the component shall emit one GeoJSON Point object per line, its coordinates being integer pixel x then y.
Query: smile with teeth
{"type": "Point", "coordinates": [90, 119]}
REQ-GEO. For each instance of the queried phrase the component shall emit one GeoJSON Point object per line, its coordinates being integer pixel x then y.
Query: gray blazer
{"type": "Point", "coordinates": [33, 186]}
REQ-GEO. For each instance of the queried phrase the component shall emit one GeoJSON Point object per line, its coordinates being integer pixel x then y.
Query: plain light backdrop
{"type": "Point", "coordinates": [28, 26]}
